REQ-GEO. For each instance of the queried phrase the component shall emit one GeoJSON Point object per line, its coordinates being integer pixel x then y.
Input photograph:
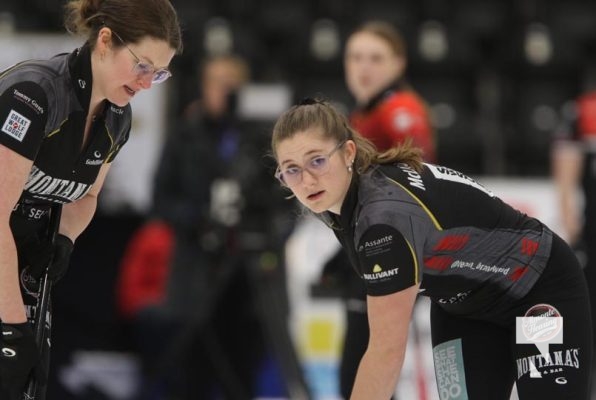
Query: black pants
{"type": "Point", "coordinates": [481, 358]}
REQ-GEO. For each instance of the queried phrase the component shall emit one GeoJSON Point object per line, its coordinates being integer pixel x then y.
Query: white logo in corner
{"type": "Point", "coordinates": [16, 125]}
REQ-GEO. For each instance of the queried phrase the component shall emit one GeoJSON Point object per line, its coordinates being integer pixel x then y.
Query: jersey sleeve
{"type": "Point", "coordinates": [23, 116]}
{"type": "Point", "coordinates": [386, 260]}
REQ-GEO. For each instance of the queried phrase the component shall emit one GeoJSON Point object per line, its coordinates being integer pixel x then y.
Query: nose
{"type": "Point", "coordinates": [146, 81]}
{"type": "Point", "coordinates": [308, 178]}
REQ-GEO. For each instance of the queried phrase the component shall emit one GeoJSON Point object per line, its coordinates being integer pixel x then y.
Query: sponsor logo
{"type": "Point", "coordinates": [16, 125]}
{"type": "Point", "coordinates": [378, 273]}
{"type": "Point", "coordinates": [537, 324]}
{"type": "Point", "coordinates": [452, 175]}
{"type": "Point", "coordinates": [44, 186]}
{"type": "Point", "coordinates": [97, 161]}
{"type": "Point", "coordinates": [549, 363]}
{"type": "Point", "coordinates": [82, 83]}
{"type": "Point", "coordinates": [28, 100]}
{"type": "Point", "coordinates": [449, 370]}
{"type": "Point", "coordinates": [117, 110]}
{"type": "Point", "coordinates": [373, 243]}
{"type": "Point", "coordinates": [542, 324]}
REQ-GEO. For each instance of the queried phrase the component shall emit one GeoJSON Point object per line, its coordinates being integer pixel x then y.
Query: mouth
{"type": "Point", "coordinates": [130, 91]}
{"type": "Point", "coordinates": [315, 196]}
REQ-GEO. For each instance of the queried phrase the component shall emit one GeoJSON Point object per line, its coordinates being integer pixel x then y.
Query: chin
{"type": "Point", "coordinates": [317, 209]}
{"type": "Point", "coordinates": [119, 102]}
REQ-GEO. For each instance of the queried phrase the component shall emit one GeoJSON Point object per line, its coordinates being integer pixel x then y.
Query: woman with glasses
{"type": "Point", "coordinates": [63, 121]}
{"type": "Point", "coordinates": [388, 112]}
{"type": "Point", "coordinates": [509, 303]}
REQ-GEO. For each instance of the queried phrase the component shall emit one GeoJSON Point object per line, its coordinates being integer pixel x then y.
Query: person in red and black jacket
{"type": "Point", "coordinates": [388, 112]}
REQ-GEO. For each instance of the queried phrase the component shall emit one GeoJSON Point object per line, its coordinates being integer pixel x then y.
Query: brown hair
{"type": "Point", "coordinates": [387, 32]}
{"type": "Point", "coordinates": [317, 113]}
{"type": "Point", "coordinates": [132, 20]}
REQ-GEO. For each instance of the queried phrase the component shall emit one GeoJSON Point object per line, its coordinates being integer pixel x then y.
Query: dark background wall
{"type": "Point", "coordinates": [496, 73]}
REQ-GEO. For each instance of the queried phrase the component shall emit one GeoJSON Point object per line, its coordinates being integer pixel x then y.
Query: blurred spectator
{"type": "Point", "coordinates": [388, 112]}
{"type": "Point", "coordinates": [199, 328]}
{"type": "Point", "coordinates": [574, 172]}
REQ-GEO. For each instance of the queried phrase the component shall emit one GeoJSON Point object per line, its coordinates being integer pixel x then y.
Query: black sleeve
{"type": "Point", "coordinates": [386, 260]}
{"type": "Point", "coordinates": [23, 116]}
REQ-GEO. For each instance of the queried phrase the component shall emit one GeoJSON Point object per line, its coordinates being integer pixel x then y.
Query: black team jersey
{"type": "Point", "coordinates": [472, 253]}
{"type": "Point", "coordinates": [43, 109]}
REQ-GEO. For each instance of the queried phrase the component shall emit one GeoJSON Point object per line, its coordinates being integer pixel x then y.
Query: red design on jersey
{"type": "Point", "coordinates": [518, 272]}
{"type": "Point", "coordinates": [439, 263]}
{"type": "Point", "coordinates": [529, 247]}
{"type": "Point", "coordinates": [452, 243]}
{"type": "Point", "coordinates": [399, 116]}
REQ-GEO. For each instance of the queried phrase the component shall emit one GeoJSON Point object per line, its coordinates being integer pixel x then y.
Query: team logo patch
{"type": "Point", "coordinates": [16, 125]}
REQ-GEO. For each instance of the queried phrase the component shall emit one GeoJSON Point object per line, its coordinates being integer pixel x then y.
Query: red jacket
{"type": "Point", "coordinates": [145, 268]}
{"type": "Point", "coordinates": [393, 116]}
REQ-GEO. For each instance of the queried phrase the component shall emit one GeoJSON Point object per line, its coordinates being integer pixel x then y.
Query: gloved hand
{"type": "Point", "coordinates": [37, 254]}
{"type": "Point", "coordinates": [19, 355]}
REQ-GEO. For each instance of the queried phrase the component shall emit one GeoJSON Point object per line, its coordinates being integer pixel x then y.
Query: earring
{"type": "Point", "coordinates": [350, 166]}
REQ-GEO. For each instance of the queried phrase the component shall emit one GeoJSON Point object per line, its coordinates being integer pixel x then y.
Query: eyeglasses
{"type": "Point", "coordinates": [317, 166]}
{"type": "Point", "coordinates": [143, 69]}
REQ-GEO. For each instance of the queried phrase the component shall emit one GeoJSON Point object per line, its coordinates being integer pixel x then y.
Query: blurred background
{"type": "Point", "coordinates": [499, 77]}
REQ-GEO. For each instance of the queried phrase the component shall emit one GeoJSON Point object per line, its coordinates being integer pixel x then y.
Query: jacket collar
{"type": "Point", "coordinates": [348, 208]}
{"type": "Point", "coordinates": [396, 86]}
{"type": "Point", "coordinates": [79, 64]}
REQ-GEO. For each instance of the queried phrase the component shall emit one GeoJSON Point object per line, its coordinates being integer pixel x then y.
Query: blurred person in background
{"type": "Point", "coordinates": [202, 337]}
{"type": "Point", "coordinates": [388, 112]}
{"type": "Point", "coordinates": [501, 283]}
{"type": "Point", "coordinates": [64, 120]}
{"type": "Point", "coordinates": [574, 172]}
